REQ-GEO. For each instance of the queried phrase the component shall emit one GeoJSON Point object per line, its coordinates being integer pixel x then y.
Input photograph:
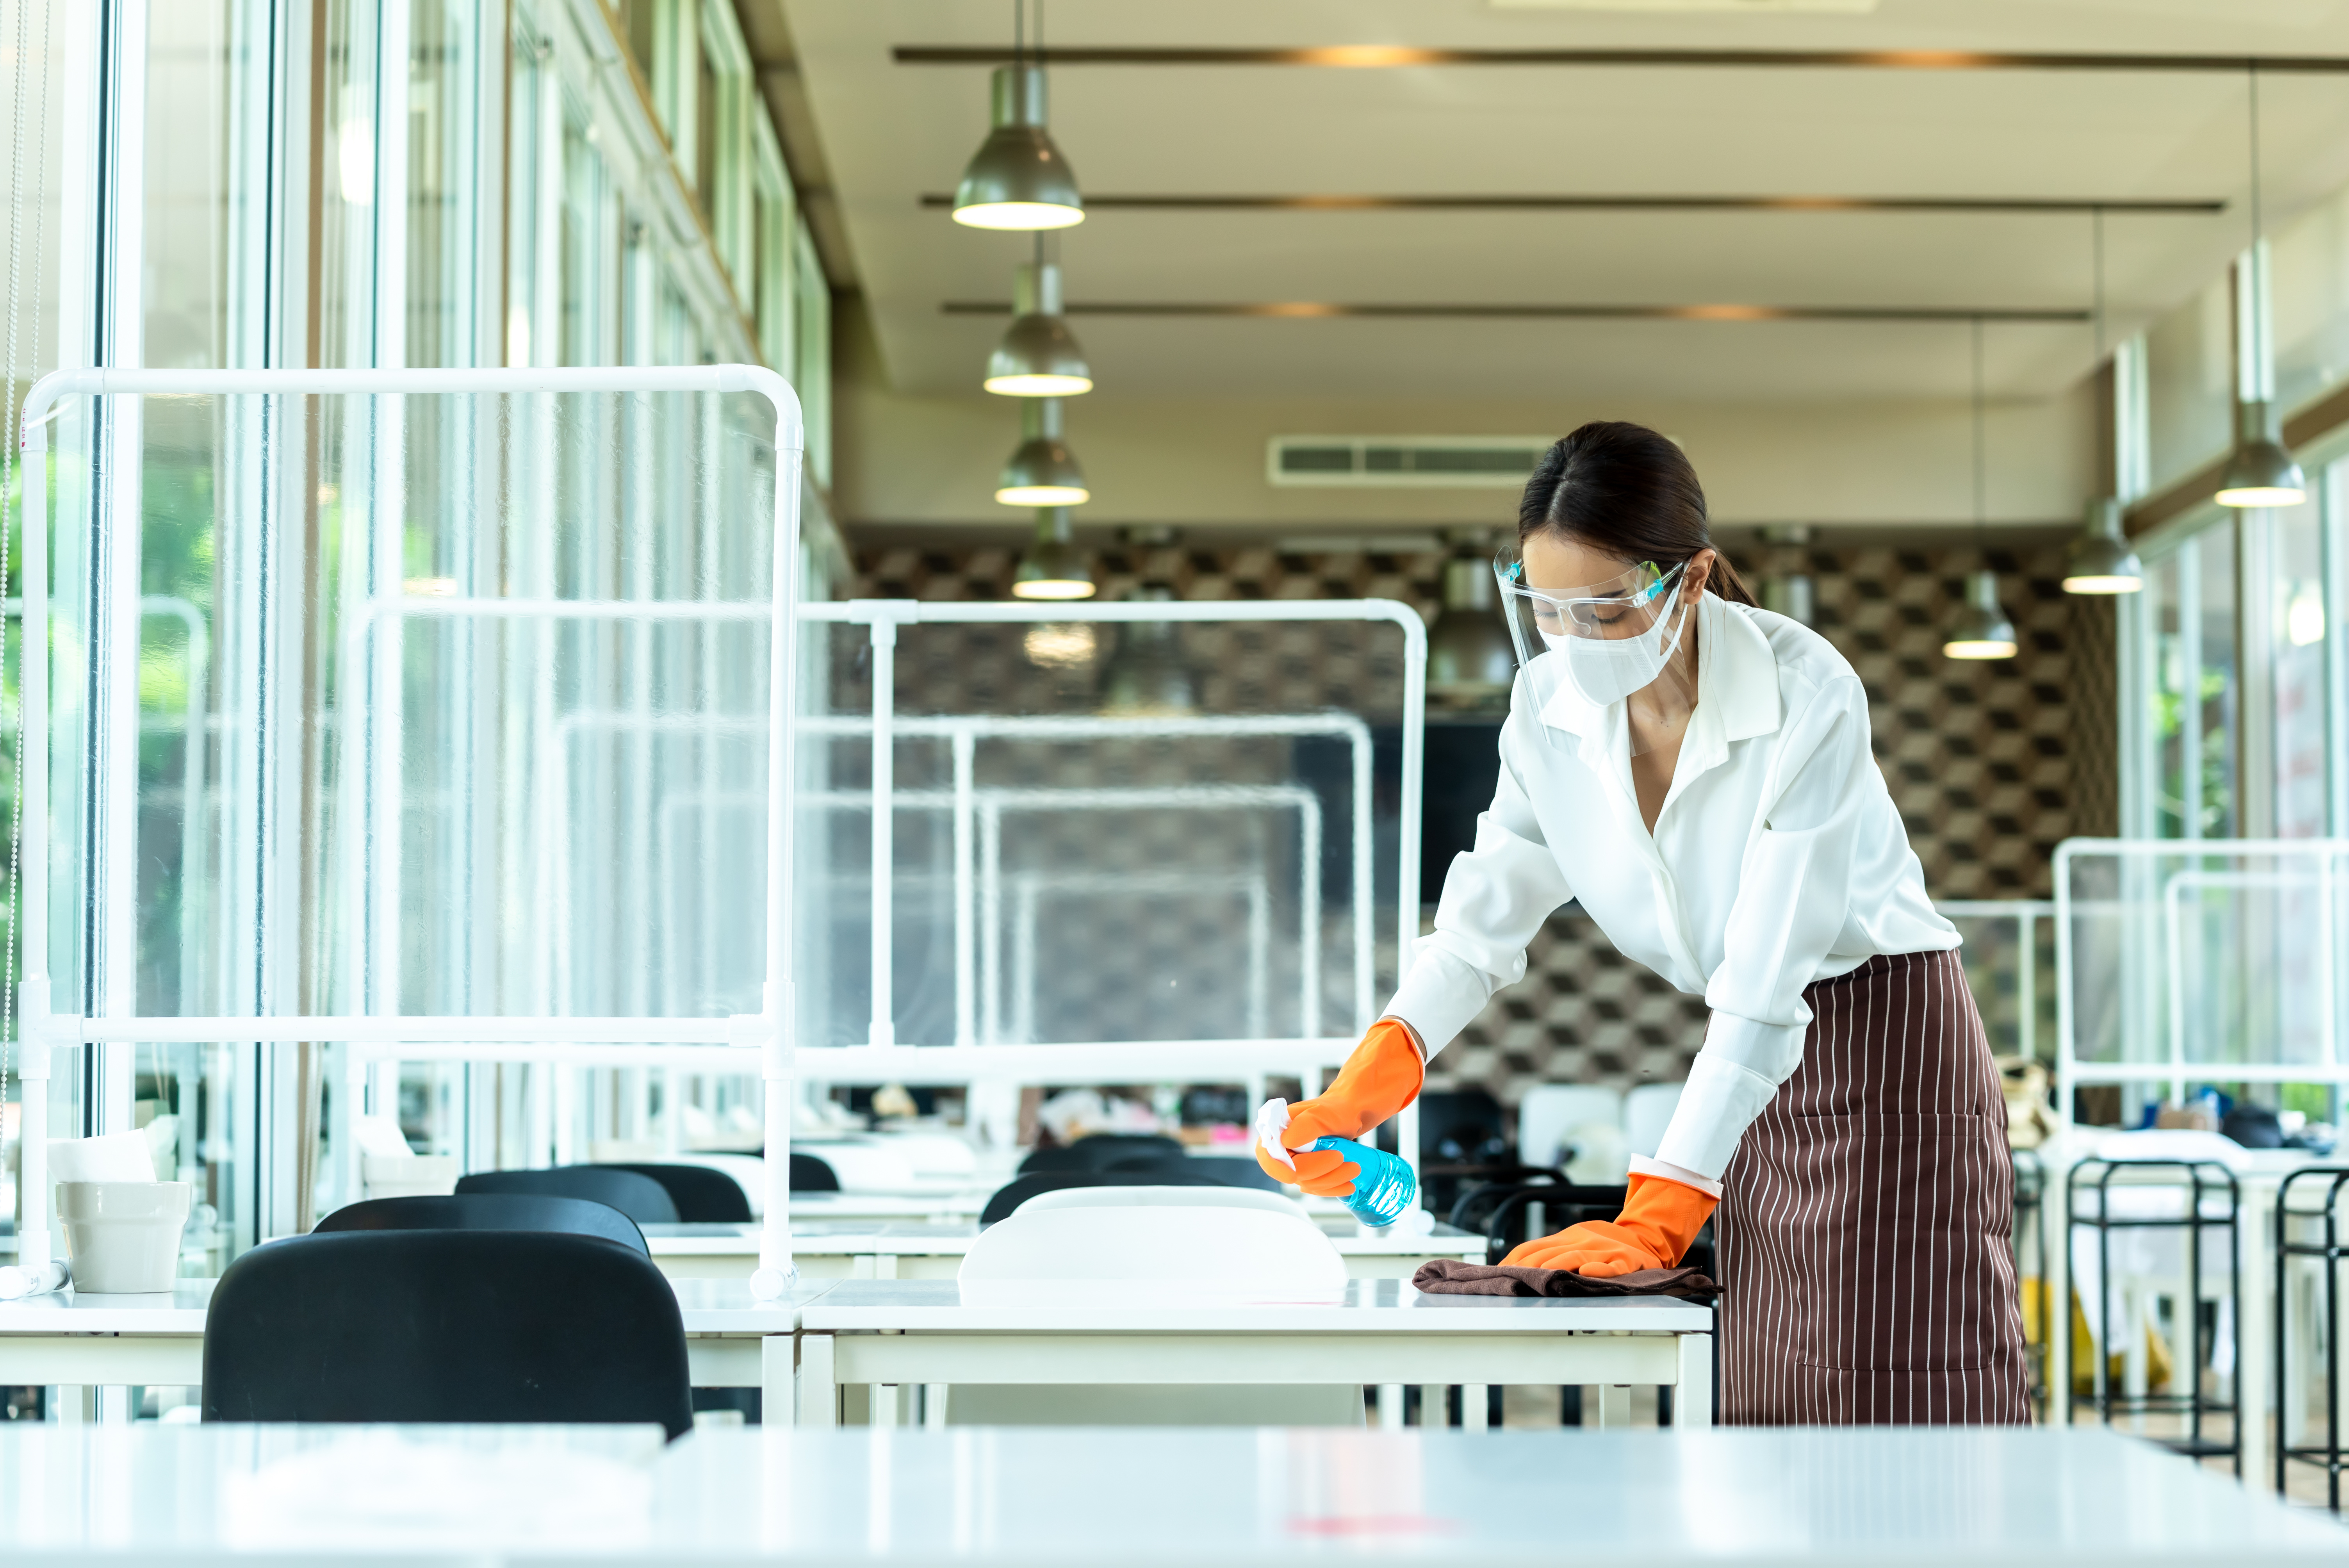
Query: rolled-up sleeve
{"type": "Point", "coordinates": [1496, 897]}
{"type": "Point", "coordinates": [1794, 894]}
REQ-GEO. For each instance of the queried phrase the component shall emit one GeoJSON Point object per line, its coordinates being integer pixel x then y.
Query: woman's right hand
{"type": "Point", "coordinates": [1378, 1079]}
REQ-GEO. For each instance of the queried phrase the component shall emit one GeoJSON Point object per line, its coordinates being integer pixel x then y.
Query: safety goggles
{"type": "Point", "coordinates": [1618, 607]}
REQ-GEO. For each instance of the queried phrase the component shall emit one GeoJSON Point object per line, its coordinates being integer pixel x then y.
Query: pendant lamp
{"type": "Point", "coordinates": [2100, 559]}
{"type": "Point", "coordinates": [1018, 179]}
{"type": "Point", "coordinates": [1471, 662]}
{"type": "Point", "coordinates": [1148, 677]}
{"type": "Point", "coordinates": [1980, 630]}
{"type": "Point", "coordinates": [1043, 471]}
{"type": "Point", "coordinates": [1052, 567]}
{"type": "Point", "coordinates": [2261, 472]}
{"type": "Point", "coordinates": [1039, 357]}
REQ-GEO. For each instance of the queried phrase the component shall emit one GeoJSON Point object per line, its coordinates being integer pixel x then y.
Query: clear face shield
{"type": "Point", "coordinates": [1588, 647]}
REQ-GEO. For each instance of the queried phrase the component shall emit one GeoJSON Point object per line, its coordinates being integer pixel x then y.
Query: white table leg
{"type": "Point", "coordinates": [777, 1391]}
{"type": "Point", "coordinates": [1431, 1405]}
{"type": "Point", "coordinates": [76, 1404]}
{"type": "Point", "coordinates": [1692, 1394]}
{"type": "Point", "coordinates": [934, 1406]}
{"type": "Point", "coordinates": [2254, 1312]}
{"type": "Point", "coordinates": [1474, 1399]}
{"type": "Point", "coordinates": [1614, 1405]}
{"type": "Point", "coordinates": [1391, 1406]}
{"type": "Point", "coordinates": [881, 1398]}
{"type": "Point", "coordinates": [819, 1403]}
{"type": "Point", "coordinates": [2054, 1217]}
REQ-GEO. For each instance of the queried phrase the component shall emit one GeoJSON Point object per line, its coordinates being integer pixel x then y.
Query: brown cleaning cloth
{"type": "Point", "coordinates": [1450, 1277]}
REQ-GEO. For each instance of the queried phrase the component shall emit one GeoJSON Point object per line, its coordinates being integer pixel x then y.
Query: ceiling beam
{"type": "Point", "coordinates": [1391, 57]}
{"type": "Point", "coordinates": [1313, 309]}
{"type": "Point", "coordinates": [1627, 203]}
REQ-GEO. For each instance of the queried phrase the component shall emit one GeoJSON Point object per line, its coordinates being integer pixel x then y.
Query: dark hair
{"type": "Point", "coordinates": [1626, 491]}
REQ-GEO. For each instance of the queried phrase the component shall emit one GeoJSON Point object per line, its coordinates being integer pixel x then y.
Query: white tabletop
{"type": "Point", "coordinates": [1236, 1499]}
{"type": "Point", "coordinates": [834, 1236]}
{"type": "Point", "coordinates": [708, 1306]}
{"type": "Point", "coordinates": [1369, 1306]}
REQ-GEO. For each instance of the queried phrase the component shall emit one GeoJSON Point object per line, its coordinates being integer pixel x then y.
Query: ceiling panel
{"type": "Point", "coordinates": [892, 132]}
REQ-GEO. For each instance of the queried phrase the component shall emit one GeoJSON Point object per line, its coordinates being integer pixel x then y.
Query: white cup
{"type": "Point", "coordinates": [123, 1236]}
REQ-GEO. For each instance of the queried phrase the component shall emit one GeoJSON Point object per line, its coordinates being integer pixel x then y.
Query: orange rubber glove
{"type": "Point", "coordinates": [1659, 1218]}
{"type": "Point", "coordinates": [1380, 1078]}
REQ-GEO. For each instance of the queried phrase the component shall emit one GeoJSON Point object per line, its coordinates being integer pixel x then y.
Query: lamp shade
{"type": "Point", "coordinates": [1042, 470]}
{"type": "Point", "coordinates": [1039, 357]}
{"type": "Point", "coordinates": [1018, 179]}
{"type": "Point", "coordinates": [2261, 472]}
{"type": "Point", "coordinates": [1148, 677]}
{"type": "Point", "coordinates": [1471, 662]}
{"type": "Point", "coordinates": [1052, 567]}
{"type": "Point", "coordinates": [1980, 630]}
{"type": "Point", "coordinates": [2100, 559]}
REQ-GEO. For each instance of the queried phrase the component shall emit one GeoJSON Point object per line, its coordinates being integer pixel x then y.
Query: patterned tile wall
{"type": "Point", "coordinates": [1990, 764]}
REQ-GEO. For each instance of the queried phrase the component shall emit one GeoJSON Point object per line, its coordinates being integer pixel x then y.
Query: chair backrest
{"type": "Point", "coordinates": [1550, 1111]}
{"type": "Point", "coordinates": [1231, 1172]}
{"type": "Point", "coordinates": [1461, 1127]}
{"type": "Point", "coordinates": [866, 1167]}
{"type": "Point", "coordinates": [446, 1326]}
{"type": "Point", "coordinates": [1162, 1197]}
{"type": "Point", "coordinates": [1205, 1247]}
{"type": "Point", "coordinates": [810, 1174]}
{"type": "Point", "coordinates": [1101, 1151]}
{"type": "Point", "coordinates": [640, 1198]}
{"type": "Point", "coordinates": [1019, 1189]}
{"type": "Point", "coordinates": [703, 1196]}
{"type": "Point", "coordinates": [488, 1211]}
{"type": "Point", "coordinates": [1647, 1111]}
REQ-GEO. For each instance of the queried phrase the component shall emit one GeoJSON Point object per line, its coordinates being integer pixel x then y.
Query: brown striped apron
{"type": "Point", "coordinates": [1865, 1229]}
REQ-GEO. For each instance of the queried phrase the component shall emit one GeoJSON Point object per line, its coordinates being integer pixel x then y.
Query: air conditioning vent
{"type": "Point", "coordinates": [1455, 462]}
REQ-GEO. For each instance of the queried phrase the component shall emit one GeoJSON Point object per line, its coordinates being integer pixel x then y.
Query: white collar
{"type": "Point", "coordinates": [1736, 682]}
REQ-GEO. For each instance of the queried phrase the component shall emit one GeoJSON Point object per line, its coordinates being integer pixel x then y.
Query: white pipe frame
{"type": "Point", "coordinates": [768, 1032]}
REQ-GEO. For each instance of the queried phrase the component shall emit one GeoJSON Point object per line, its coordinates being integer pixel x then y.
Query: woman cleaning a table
{"type": "Point", "coordinates": [1696, 772]}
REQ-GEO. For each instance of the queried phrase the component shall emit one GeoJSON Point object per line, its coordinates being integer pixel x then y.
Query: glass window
{"type": "Point", "coordinates": [2169, 666]}
{"type": "Point", "coordinates": [2299, 617]}
{"type": "Point", "coordinates": [812, 352]}
{"type": "Point", "coordinates": [2219, 685]}
{"type": "Point", "coordinates": [2309, 279]}
{"type": "Point", "coordinates": [444, 159]}
{"type": "Point", "coordinates": [2190, 383]}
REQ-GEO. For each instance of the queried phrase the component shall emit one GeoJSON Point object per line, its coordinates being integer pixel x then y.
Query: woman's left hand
{"type": "Point", "coordinates": [1659, 1218]}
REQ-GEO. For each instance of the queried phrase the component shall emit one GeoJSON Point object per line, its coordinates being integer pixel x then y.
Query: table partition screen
{"type": "Point", "coordinates": [2185, 963]}
{"type": "Point", "coordinates": [476, 758]}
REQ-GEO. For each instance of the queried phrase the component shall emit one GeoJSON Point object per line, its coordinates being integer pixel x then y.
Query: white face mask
{"type": "Point", "coordinates": [1608, 669]}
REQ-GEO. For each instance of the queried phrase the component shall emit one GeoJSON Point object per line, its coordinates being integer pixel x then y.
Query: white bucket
{"type": "Point", "coordinates": [409, 1175]}
{"type": "Point", "coordinates": [123, 1236]}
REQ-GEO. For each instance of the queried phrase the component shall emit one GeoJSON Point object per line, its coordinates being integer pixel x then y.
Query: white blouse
{"type": "Point", "coordinates": [1777, 860]}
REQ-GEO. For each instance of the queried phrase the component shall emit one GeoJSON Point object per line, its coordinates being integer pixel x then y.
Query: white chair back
{"type": "Point", "coordinates": [1164, 1197]}
{"type": "Point", "coordinates": [1549, 1110]}
{"type": "Point", "coordinates": [1647, 1111]}
{"type": "Point", "coordinates": [1199, 1251]}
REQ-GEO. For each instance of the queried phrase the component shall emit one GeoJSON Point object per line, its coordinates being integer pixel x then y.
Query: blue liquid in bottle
{"type": "Point", "coordinates": [1385, 1190]}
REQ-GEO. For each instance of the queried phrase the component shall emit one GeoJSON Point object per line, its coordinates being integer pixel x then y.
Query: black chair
{"type": "Point", "coordinates": [1460, 1144]}
{"type": "Point", "coordinates": [488, 1211]}
{"type": "Point", "coordinates": [703, 1195]}
{"type": "Point", "coordinates": [810, 1174]}
{"type": "Point", "coordinates": [1224, 1168]}
{"type": "Point", "coordinates": [640, 1198]}
{"type": "Point", "coordinates": [1019, 1189]}
{"type": "Point", "coordinates": [445, 1325]}
{"type": "Point", "coordinates": [1102, 1151]}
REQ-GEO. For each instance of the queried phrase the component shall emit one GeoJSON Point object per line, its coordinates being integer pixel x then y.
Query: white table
{"type": "Point", "coordinates": [833, 1248]}
{"type": "Point", "coordinates": [80, 1342]}
{"type": "Point", "coordinates": [885, 1333]}
{"type": "Point", "coordinates": [1040, 1498]}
